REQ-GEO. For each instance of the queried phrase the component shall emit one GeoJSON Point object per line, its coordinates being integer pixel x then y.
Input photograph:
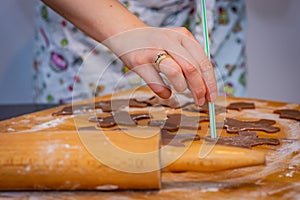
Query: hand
{"type": "Point", "coordinates": [137, 45]}
{"type": "Point", "coordinates": [186, 66]}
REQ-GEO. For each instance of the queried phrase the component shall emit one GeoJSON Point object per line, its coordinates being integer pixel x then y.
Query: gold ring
{"type": "Point", "coordinates": [160, 57]}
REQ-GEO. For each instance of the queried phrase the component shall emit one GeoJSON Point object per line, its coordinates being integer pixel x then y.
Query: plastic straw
{"type": "Point", "coordinates": [211, 105]}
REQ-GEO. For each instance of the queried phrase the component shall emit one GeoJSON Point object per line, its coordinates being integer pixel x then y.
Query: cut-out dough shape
{"type": "Point", "coordinates": [177, 139]}
{"type": "Point", "coordinates": [176, 121]}
{"type": "Point", "coordinates": [288, 114]}
{"type": "Point", "coordinates": [234, 126]}
{"type": "Point", "coordinates": [175, 101]}
{"type": "Point", "coordinates": [116, 104]}
{"type": "Point", "coordinates": [106, 106]}
{"type": "Point", "coordinates": [239, 106]}
{"type": "Point", "coordinates": [245, 139]}
{"type": "Point", "coordinates": [203, 109]}
{"type": "Point", "coordinates": [120, 118]}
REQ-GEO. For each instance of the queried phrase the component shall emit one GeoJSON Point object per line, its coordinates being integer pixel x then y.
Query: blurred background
{"type": "Point", "coordinates": [273, 50]}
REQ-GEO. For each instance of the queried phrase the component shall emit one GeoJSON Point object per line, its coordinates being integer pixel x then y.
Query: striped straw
{"type": "Point", "coordinates": [211, 105]}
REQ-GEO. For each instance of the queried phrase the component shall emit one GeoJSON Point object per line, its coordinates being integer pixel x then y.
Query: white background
{"type": "Point", "coordinates": [273, 50]}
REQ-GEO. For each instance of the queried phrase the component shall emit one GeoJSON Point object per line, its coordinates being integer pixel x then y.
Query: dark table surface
{"type": "Point", "coordinates": [13, 110]}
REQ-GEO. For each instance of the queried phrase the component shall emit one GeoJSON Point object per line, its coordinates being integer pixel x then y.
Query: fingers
{"type": "Point", "coordinates": [195, 65]}
{"type": "Point", "coordinates": [193, 76]}
{"type": "Point", "coordinates": [205, 65]}
{"type": "Point", "coordinates": [210, 83]}
{"type": "Point", "coordinates": [149, 74]}
{"type": "Point", "coordinates": [174, 73]}
{"type": "Point", "coordinates": [187, 65]}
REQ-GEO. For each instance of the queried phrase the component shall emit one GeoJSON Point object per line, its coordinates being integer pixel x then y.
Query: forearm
{"type": "Point", "coordinates": [99, 19]}
{"type": "Point", "coordinates": [138, 47]}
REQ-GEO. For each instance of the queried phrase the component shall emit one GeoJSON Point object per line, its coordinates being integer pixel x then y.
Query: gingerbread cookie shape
{"type": "Point", "coordinates": [116, 104]}
{"type": "Point", "coordinates": [119, 118]}
{"type": "Point", "coordinates": [177, 139]}
{"type": "Point", "coordinates": [234, 126]}
{"type": "Point", "coordinates": [239, 106]}
{"type": "Point", "coordinates": [175, 101]}
{"type": "Point", "coordinates": [204, 108]}
{"type": "Point", "coordinates": [176, 121]}
{"type": "Point", "coordinates": [288, 114]}
{"type": "Point", "coordinates": [105, 106]}
{"type": "Point", "coordinates": [245, 139]}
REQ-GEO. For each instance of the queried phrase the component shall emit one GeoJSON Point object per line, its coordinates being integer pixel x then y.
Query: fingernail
{"type": "Point", "coordinates": [213, 96]}
{"type": "Point", "coordinates": [201, 101]}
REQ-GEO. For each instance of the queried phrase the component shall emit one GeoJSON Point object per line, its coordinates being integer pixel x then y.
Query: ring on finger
{"type": "Point", "coordinates": [159, 58]}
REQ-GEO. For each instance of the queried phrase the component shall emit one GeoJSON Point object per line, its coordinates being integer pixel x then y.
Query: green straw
{"type": "Point", "coordinates": [211, 105]}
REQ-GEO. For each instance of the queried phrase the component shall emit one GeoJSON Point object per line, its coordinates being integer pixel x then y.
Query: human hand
{"type": "Point", "coordinates": [186, 65]}
{"type": "Point", "coordinates": [137, 45]}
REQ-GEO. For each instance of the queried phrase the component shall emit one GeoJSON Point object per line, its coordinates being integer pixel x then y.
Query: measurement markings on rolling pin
{"type": "Point", "coordinates": [15, 162]}
{"type": "Point", "coordinates": [36, 162]}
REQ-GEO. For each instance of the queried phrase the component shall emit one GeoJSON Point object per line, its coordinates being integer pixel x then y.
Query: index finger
{"type": "Point", "coordinates": [206, 68]}
{"type": "Point", "coordinates": [192, 74]}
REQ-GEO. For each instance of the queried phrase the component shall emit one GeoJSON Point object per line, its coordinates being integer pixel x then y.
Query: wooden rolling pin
{"type": "Point", "coordinates": [59, 160]}
{"type": "Point", "coordinates": [219, 158]}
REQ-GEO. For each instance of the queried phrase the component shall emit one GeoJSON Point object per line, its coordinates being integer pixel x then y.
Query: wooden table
{"type": "Point", "coordinates": [279, 178]}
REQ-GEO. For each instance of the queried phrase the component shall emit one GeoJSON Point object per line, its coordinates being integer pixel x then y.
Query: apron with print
{"type": "Point", "coordinates": [70, 66]}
